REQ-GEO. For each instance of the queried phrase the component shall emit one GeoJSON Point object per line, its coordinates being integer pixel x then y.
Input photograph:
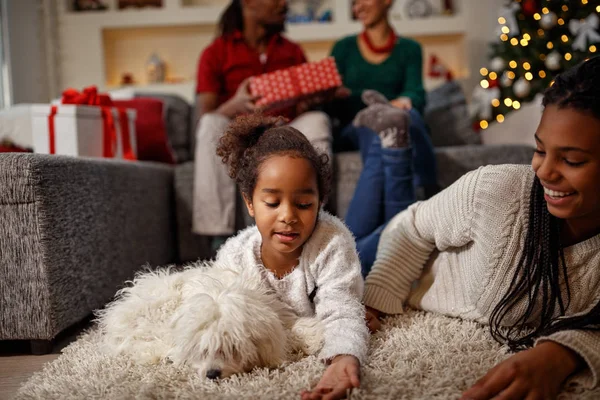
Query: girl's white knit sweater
{"type": "Point", "coordinates": [456, 254]}
{"type": "Point", "coordinates": [327, 283]}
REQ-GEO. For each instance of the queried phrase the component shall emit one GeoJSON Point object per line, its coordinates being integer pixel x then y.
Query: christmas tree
{"type": "Point", "coordinates": [537, 39]}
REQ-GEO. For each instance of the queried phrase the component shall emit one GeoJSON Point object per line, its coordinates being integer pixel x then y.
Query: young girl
{"type": "Point", "coordinates": [309, 255]}
{"type": "Point", "coordinates": [515, 247]}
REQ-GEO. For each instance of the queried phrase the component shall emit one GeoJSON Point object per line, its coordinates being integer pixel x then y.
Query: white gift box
{"type": "Point", "coordinates": [79, 130]}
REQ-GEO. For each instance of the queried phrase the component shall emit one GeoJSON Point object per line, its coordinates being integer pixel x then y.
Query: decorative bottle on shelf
{"type": "Point", "coordinates": [155, 69]}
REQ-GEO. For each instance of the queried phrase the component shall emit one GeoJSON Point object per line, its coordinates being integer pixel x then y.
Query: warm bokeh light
{"type": "Point", "coordinates": [496, 103]}
{"type": "Point", "coordinates": [550, 45]}
{"type": "Point", "coordinates": [508, 102]}
{"type": "Point", "coordinates": [483, 124]}
{"type": "Point", "coordinates": [501, 20]}
{"type": "Point", "coordinates": [561, 21]}
{"type": "Point", "coordinates": [526, 66]}
{"type": "Point", "coordinates": [516, 105]}
{"type": "Point", "coordinates": [514, 41]}
{"type": "Point", "coordinates": [564, 38]}
{"type": "Point", "coordinates": [568, 56]}
{"type": "Point", "coordinates": [592, 49]}
{"type": "Point", "coordinates": [484, 84]}
{"type": "Point", "coordinates": [493, 76]}
{"type": "Point", "coordinates": [527, 36]}
{"type": "Point", "coordinates": [500, 118]}
{"type": "Point", "coordinates": [524, 42]}
{"type": "Point", "coordinates": [513, 64]}
{"type": "Point", "coordinates": [542, 74]}
{"type": "Point", "coordinates": [529, 76]}
{"type": "Point", "coordinates": [537, 16]}
{"type": "Point", "coordinates": [511, 74]}
{"type": "Point", "coordinates": [505, 29]}
{"type": "Point", "coordinates": [483, 71]}
{"type": "Point", "coordinates": [545, 10]}
{"type": "Point", "coordinates": [565, 8]}
{"type": "Point", "coordinates": [540, 32]}
{"type": "Point", "coordinates": [504, 37]}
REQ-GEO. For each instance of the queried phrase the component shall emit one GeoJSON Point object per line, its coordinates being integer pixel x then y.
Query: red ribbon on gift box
{"type": "Point", "coordinates": [91, 97]}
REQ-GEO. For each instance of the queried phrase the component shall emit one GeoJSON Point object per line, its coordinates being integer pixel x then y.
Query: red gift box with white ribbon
{"type": "Point", "coordinates": [289, 86]}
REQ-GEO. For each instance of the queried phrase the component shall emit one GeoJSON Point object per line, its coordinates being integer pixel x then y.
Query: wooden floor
{"type": "Point", "coordinates": [16, 369]}
{"type": "Point", "coordinates": [17, 364]}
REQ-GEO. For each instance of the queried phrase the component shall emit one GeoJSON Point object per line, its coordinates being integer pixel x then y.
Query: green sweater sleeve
{"type": "Point", "coordinates": [413, 87]}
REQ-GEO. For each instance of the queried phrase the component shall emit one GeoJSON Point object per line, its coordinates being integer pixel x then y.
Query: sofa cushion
{"type": "Point", "coordinates": [150, 131]}
{"type": "Point", "coordinates": [178, 121]}
{"type": "Point", "coordinates": [448, 118]}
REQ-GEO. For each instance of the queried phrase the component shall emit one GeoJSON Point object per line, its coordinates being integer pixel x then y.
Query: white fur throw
{"type": "Point", "coordinates": [416, 356]}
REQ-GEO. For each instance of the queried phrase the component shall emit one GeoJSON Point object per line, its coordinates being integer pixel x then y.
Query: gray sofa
{"type": "Point", "coordinates": [72, 230]}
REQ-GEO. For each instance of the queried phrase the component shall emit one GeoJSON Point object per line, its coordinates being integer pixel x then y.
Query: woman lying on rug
{"type": "Point", "coordinates": [309, 255]}
{"type": "Point", "coordinates": [515, 247]}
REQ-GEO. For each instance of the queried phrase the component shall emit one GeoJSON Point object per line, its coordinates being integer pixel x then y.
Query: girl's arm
{"type": "Point", "coordinates": [339, 292]}
{"type": "Point", "coordinates": [442, 222]}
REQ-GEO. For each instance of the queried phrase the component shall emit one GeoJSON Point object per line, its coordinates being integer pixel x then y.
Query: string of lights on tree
{"type": "Point", "coordinates": [537, 39]}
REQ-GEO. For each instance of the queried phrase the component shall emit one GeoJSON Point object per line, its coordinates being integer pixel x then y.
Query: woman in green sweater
{"type": "Point", "coordinates": [378, 61]}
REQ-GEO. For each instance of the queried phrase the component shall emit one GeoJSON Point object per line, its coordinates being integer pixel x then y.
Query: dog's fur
{"type": "Point", "coordinates": [214, 318]}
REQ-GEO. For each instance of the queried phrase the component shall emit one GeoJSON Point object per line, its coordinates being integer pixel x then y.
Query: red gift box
{"type": "Point", "coordinates": [289, 86]}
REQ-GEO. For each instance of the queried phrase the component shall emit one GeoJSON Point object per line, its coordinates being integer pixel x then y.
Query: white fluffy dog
{"type": "Point", "coordinates": [214, 318]}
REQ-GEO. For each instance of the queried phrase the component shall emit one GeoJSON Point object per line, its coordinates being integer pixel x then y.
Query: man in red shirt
{"type": "Point", "coordinates": [250, 44]}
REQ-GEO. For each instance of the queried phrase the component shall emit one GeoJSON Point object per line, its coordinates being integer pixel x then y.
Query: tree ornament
{"type": "Point", "coordinates": [497, 64]}
{"type": "Point", "coordinates": [508, 12]}
{"type": "Point", "coordinates": [585, 32]}
{"type": "Point", "coordinates": [549, 20]}
{"type": "Point", "coordinates": [506, 80]}
{"type": "Point", "coordinates": [530, 7]}
{"type": "Point", "coordinates": [553, 61]}
{"type": "Point", "coordinates": [522, 88]}
{"type": "Point", "coordinates": [481, 102]}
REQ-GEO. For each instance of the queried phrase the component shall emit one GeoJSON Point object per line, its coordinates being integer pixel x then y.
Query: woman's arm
{"type": "Point", "coordinates": [442, 222]}
{"type": "Point", "coordinates": [537, 373]}
{"type": "Point", "coordinates": [413, 79]}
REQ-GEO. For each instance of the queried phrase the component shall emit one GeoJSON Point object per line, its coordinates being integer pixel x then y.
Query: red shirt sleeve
{"type": "Point", "coordinates": [300, 56]}
{"type": "Point", "coordinates": [210, 74]}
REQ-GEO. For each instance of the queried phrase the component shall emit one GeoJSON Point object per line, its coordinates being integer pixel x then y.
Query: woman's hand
{"type": "Point", "coordinates": [404, 103]}
{"type": "Point", "coordinates": [241, 102]}
{"type": "Point", "coordinates": [537, 373]}
{"type": "Point", "coordinates": [341, 375]}
{"type": "Point", "coordinates": [372, 318]}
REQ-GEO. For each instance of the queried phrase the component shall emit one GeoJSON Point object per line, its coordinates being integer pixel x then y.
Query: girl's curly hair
{"type": "Point", "coordinates": [252, 139]}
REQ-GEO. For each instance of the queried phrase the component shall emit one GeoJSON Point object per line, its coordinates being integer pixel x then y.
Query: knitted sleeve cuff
{"type": "Point", "coordinates": [380, 299]}
{"type": "Point", "coordinates": [587, 345]}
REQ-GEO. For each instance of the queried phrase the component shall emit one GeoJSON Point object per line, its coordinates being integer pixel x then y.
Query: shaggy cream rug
{"type": "Point", "coordinates": [415, 356]}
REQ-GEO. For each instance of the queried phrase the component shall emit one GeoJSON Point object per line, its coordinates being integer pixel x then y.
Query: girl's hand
{"type": "Point", "coordinates": [372, 318]}
{"type": "Point", "coordinates": [404, 103]}
{"type": "Point", "coordinates": [343, 374]}
{"type": "Point", "coordinates": [241, 102]}
{"type": "Point", "coordinates": [537, 373]}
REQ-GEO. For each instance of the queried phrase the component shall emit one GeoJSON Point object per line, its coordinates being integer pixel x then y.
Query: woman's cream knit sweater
{"type": "Point", "coordinates": [456, 253]}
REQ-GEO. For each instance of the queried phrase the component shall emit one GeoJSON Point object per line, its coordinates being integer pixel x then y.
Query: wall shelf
{"type": "Point", "coordinates": [98, 47]}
